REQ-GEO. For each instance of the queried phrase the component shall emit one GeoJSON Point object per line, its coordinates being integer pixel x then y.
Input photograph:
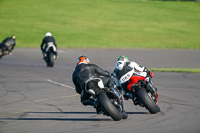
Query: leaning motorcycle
{"type": "Point", "coordinates": [138, 90]}
{"type": "Point", "coordinates": [109, 100]}
{"type": "Point", "coordinates": [5, 50]}
{"type": "Point", "coordinates": [3, 53]}
{"type": "Point", "coordinates": [50, 54]}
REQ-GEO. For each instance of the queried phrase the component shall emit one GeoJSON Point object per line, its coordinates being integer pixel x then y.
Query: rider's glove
{"type": "Point", "coordinates": [147, 79]}
{"type": "Point", "coordinates": [150, 74]}
{"type": "Point", "coordinates": [146, 70]}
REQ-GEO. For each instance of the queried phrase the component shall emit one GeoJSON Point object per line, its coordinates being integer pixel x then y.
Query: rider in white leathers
{"type": "Point", "coordinates": [125, 69]}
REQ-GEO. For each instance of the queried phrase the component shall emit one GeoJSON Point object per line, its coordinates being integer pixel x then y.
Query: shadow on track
{"type": "Point", "coordinates": [64, 119]}
{"type": "Point", "coordinates": [57, 119]}
{"type": "Point", "coordinates": [79, 112]}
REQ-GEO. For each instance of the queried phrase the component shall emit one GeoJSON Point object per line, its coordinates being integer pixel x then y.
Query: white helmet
{"type": "Point", "coordinates": [120, 64]}
{"type": "Point", "coordinates": [48, 34]}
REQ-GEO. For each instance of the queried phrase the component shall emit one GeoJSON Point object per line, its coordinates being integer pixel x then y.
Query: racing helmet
{"type": "Point", "coordinates": [82, 59]}
{"type": "Point", "coordinates": [48, 34]}
{"type": "Point", "coordinates": [120, 65]}
{"type": "Point", "coordinates": [13, 36]}
{"type": "Point", "coordinates": [123, 58]}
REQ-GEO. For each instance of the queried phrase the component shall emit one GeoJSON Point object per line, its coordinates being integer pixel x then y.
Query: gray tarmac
{"type": "Point", "coordinates": [37, 99]}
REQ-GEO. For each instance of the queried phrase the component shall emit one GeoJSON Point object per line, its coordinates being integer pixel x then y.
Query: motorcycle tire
{"type": "Point", "coordinates": [109, 108]}
{"type": "Point", "coordinates": [125, 115]}
{"type": "Point", "coordinates": [147, 101]}
{"type": "Point", "coordinates": [51, 59]}
{"type": "Point", "coordinates": [1, 53]}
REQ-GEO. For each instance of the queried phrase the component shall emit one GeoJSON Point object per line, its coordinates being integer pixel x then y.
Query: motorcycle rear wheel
{"type": "Point", "coordinates": [109, 108]}
{"type": "Point", "coordinates": [50, 59]}
{"type": "Point", "coordinates": [147, 101]}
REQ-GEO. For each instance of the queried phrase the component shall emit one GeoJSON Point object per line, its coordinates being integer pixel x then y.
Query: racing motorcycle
{"type": "Point", "coordinates": [50, 54]}
{"type": "Point", "coordinates": [4, 50]}
{"type": "Point", "coordinates": [142, 92]}
{"type": "Point", "coordinates": [109, 100]}
{"type": "Point", "coordinates": [3, 53]}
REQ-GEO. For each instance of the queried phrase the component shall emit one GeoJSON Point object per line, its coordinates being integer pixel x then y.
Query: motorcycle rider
{"type": "Point", "coordinates": [48, 40]}
{"type": "Point", "coordinates": [8, 44]}
{"type": "Point", "coordinates": [123, 66]}
{"type": "Point", "coordinates": [84, 71]}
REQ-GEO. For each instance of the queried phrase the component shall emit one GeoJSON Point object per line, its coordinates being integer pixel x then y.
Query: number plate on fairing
{"type": "Point", "coordinates": [126, 77]}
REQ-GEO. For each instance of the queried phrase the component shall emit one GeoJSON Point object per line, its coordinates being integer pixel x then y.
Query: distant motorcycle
{"type": "Point", "coordinates": [109, 100]}
{"type": "Point", "coordinates": [50, 55]}
{"type": "Point", "coordinates": [7, 45]}
{"type": "Point", "coordinates": [138, 91]}
{"type": "Point", "coordinates": [5, 50]}
{"type": "Point", "coordinates": [2, 53]}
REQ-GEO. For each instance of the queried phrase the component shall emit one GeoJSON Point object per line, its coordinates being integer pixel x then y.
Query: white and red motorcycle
{"type": "Point", "coordinates": [141, 90]}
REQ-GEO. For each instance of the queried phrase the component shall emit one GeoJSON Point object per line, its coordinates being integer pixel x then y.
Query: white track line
{"type": "Point", "coordinates": [40, 100]}
{"type": "Point", "coordinates": [61, 97]}
{"type": "Point", "coordinates": [60, 84]}
{"type": "Point", "coordinates": [67, 86]}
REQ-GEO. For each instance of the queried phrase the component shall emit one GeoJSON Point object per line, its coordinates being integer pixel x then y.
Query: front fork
{"type": "Point", "coordinates": [118, 102]}
{"type": "Point", "coordinates": [151, 90]}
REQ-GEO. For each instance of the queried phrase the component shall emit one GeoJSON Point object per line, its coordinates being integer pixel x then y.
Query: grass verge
{"type": "Point", "coordinates": [102, 23]}
{"type": "Point", "coordinates": [183, 70]}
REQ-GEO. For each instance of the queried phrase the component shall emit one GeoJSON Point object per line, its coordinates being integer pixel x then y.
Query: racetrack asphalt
{"type": "Point", "coordinates": [37, 99]}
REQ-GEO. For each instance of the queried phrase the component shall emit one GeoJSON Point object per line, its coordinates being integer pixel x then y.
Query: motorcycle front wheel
{"type": "Point", "coordinates": [149, 104]}
{"type": "Point", "coordinates": [109, 108]}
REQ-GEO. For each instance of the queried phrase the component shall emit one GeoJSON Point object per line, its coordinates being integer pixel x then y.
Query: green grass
{"type": "Point", "coordinates": [102, 23]}
{"type": "Point", "coordinates": [184, 70]}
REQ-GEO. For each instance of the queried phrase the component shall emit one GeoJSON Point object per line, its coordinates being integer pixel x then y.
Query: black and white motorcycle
{"type": "Point", "coordinates": [3, 53]}
{"type": "Point", "coordinates": [50, 54]}
{"type": "Point", "coordinates": [6, 49]}
{"type": "Point", "coordinates": [109, 100]}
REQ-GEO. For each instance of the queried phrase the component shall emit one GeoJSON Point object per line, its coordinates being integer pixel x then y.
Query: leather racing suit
{"type": "Point", "coordinates": [48, 40]}
{"type": "Point", "coordinates": [82, 74]}
{"type": "Point", "coordinates": [134, 69]}
{"type": "Point", "coordinates": [8, 44]}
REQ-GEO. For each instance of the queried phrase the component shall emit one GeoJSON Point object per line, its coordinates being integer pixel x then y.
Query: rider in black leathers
{"type": "Point", "coordinates": [46, 41]}
{"type": "Point", "coordinates": [8, 44]}
{"type": "Point", "coordinates": [82, 73]}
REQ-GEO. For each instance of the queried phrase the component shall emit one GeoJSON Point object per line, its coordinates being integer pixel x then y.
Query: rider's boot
{"type": "Point", "coordinates": [93, 103]}
{"type": "Point", "coordinates": [88, 102]}
{"type": "Point", "coordinates": [44, 54]}
{"type": "Point", "coordinates": [96, 105]}
{"type": "Point", "coordinates": [56, 55]}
